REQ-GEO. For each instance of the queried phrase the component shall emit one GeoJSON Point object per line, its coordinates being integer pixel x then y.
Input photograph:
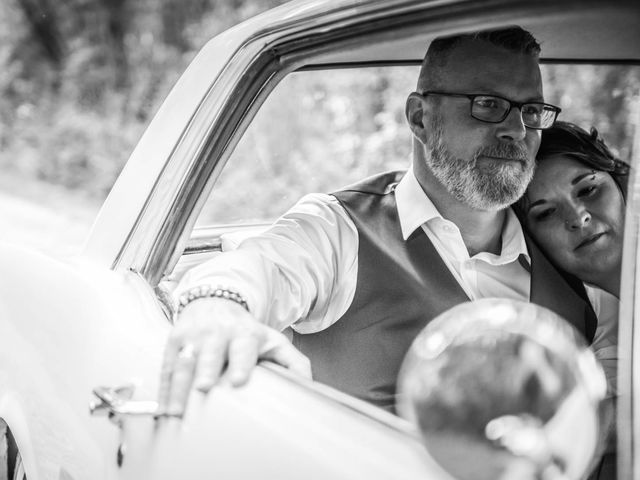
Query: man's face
{"type": "Point", "coordinates": [486, 166]}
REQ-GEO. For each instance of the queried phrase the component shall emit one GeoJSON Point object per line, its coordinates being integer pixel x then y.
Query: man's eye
{"type": "Point", "coordinates": [587, 191]}
{"type": "Point", "coordinates": [487, 102]}
{"type": "Point", "coordinates": [532, 109]}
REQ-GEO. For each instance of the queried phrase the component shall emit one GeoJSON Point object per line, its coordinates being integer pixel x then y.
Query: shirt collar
{"type": "Point", "coordinates": [415, 208]}
{"type": "Point", "coordinates": [513, 242]}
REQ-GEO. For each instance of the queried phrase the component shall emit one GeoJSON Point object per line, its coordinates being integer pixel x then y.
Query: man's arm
{"type": "Point", "coordinates": [301, 271]}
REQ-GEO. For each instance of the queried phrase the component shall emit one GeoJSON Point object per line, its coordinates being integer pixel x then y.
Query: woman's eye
{"type": "Point", "coordinates": [543, 214]}
{"type": "Point", "coordinates": [587, 191]}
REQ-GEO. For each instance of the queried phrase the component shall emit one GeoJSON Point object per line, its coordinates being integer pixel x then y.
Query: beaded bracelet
{"type": "Point", "coordinates": [207, 291]}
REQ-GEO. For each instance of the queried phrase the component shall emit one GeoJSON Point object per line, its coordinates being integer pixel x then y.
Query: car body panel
{"type": "Point", "coordinates": [274, 429]}
{"type": "Point", "coordinates": [78, 328]}
{"type": "Point", "coordinates": [91, 328]}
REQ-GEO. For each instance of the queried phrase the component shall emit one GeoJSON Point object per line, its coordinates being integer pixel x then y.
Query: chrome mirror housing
{"type": "Point", "coordinates": [501, 389]}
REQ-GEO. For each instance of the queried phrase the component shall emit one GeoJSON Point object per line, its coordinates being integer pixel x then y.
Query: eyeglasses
{"type": "Point", "coordinates": [494, 109]}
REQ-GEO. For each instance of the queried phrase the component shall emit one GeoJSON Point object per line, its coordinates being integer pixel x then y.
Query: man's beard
{"type": "Point", "coordinates": [492, 187]}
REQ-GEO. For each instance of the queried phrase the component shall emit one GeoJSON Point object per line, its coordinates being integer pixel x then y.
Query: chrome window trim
{"type": "Point", "coordinates": [209, 239]}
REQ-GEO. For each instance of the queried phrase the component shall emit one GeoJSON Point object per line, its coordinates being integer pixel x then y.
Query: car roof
{"type": "Point", "coordinates": [578, 31]}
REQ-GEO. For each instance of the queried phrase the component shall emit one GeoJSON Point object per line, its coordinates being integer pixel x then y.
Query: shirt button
{"type": "Point", "coordinates": [448, 228]}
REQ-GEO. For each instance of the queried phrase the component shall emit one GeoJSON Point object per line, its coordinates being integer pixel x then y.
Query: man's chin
{"type": "Point", "coordinates": [490, 206]}
{"type": "Point", "coordinates": [501, 191]}
{"type": "Point", "coordinates": [503, 167]}
{"type": "Point", "coordinates": [494, 201]}
{"type": "Point", "coordinates": [486, 186]}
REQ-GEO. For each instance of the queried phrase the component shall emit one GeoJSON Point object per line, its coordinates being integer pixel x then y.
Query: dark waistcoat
{"type": "Point", "coordinates": [401, 286]}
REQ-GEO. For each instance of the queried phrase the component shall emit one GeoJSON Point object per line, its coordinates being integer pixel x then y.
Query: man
{"type": "Point", "coordinates": [358, 274]}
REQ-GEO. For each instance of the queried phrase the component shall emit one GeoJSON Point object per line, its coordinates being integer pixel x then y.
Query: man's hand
{"type": "Point", "coordinates": [215, 337]}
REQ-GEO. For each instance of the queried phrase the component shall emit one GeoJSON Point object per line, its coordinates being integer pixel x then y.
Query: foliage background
{"type": "Point", "coordinates": [320, 130]}
{"type": "Point", "coordinates": [80, 80]}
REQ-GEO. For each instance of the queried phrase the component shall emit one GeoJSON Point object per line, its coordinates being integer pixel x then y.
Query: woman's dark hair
{"type": "Point", "coordinates": [570, 140]}
{"type": "Point", "coordinates": [588, 148]}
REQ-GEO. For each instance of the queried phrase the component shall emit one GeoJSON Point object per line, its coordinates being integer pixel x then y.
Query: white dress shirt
{"type": "Point", "coordinates": [605, 341]}
{"type": "Point", "coordinates": [302, 271]}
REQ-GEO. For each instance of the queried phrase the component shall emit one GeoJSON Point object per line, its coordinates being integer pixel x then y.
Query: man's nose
{"type": "Point", "coordinates": [512, 128]}
{"type": "Point", "coordinates": [577, 219]}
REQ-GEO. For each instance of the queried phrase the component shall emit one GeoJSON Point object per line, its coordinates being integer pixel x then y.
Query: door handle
{"type": "Point", "coordinates": [116, 404]}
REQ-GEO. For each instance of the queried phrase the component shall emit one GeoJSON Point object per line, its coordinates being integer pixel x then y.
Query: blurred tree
{"type": "Point", "coordinates": [600, 96]}
{"type": "Point", "coordinates": [177, 17]}
{"type": "Point", "coordinates": [320, 130]}
{"type": "Point", "coordinates": [42, 18]}
{"type": "Point", "coordinates": [79, 79]}
{"type": "Point", "coordinates": [118, 15]}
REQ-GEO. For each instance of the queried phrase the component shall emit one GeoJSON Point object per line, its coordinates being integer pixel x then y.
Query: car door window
{"type": "Point", "coordinates": [317, 131]}
{"type": "Point", "coordinates": [323, 129]}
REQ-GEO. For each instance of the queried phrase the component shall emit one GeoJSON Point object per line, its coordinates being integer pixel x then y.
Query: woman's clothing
{"type": "Point", "coordinates": [605, 341]}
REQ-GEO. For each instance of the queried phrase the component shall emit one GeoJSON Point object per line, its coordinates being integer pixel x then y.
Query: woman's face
{"type": "Point", "coordinates": [576, 214]}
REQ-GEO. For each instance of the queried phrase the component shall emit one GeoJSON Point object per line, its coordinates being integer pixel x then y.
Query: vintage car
{"type": "Point", "coordinates": [81, 339]}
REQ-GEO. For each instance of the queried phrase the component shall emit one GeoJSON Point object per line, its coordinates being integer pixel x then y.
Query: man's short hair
{"type": "Point", "coordinates": [514, 39]}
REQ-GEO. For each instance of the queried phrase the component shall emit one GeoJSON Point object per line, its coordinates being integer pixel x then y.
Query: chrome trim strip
{"type": "Point", "coordinates": [195, 247]}
{"type": "Point", "coordinates": [209, 239]}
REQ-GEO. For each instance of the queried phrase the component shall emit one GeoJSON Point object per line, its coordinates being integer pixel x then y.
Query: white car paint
{"type": "Point", "coordinates": [78, 328]}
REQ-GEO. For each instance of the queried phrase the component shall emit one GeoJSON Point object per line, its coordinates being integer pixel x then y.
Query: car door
{"type": "Point", "coordinates": [244, 432]}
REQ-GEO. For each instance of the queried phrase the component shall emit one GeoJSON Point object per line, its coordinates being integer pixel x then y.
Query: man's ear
{"type": "Point", "coordinates": [415, 110]}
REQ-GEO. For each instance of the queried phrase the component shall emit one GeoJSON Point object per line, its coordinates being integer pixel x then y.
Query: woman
{"type": "Point", "coordinates": [574, 209]}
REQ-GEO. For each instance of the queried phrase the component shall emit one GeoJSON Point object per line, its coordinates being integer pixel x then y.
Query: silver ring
{"type": "Point", "coordinates": [187, 352]}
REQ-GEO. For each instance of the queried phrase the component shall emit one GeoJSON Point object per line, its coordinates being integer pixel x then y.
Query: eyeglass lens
{"type": "Point", "coordinates": [496, 109]}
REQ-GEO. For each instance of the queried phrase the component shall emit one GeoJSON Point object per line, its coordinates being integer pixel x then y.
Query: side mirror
{"type": "Point", "coordinates": [501, 389]}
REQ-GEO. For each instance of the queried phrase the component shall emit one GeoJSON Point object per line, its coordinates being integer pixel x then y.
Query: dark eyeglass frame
{"type": "Point", "coordinates": [519, 105]}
